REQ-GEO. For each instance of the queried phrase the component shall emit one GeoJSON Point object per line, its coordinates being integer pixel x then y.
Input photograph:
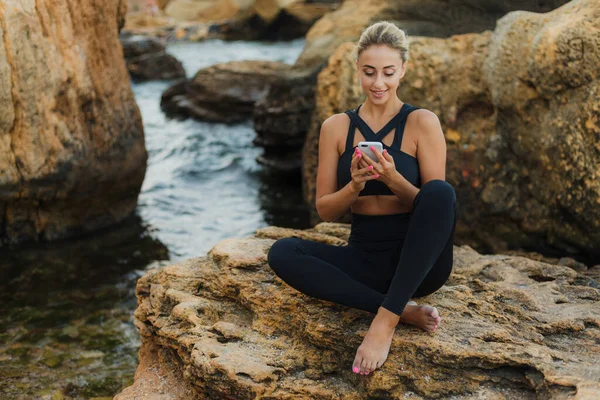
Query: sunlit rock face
{"type": "Point", "coordinates": [224, 326]}
{"type": "Point", "coordinates": [72, 154]}
{"type": "Point", "coordinates": [520, 110]}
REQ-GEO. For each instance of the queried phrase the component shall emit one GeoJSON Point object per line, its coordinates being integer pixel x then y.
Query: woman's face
{"type": "Point", "coordinates": [380, 69]}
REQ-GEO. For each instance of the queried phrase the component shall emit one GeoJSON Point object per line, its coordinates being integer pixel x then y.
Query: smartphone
{"type": "Point", "coordinates": [365, 147]}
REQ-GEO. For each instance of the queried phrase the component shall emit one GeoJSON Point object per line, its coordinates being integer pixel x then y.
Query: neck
{"type": "Point", "coordinates": [376, 111]}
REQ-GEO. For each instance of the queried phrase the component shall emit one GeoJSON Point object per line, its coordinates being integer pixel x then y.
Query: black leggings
{"type": "Point", "coordinates": [388, 259]}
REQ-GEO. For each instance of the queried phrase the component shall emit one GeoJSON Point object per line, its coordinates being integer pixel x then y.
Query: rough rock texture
{"type": "Point", "coordinates": [418, 17]}
{"type": "Point", "coordinates": [158, 376]}
{"type": "Point", "coordinates": [223, 92]}
{"type": "Point", "coordinates": [147, 59]}
{"type": "Point", "coordinates": [289, 91]}
{"type": "Point", "coordinates": [72, 154]}
{"type": "Point", "coordinates": [512, 328]}
{"type": "Point", "coordinates": [521, 119]}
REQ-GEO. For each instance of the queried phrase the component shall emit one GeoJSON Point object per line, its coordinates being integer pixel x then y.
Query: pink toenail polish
{"type": "Point", "coordinates": [355, 369]}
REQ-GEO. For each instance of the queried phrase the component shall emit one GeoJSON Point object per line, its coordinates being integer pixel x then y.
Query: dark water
{"type": "Point", "coordinates": [66, 311]}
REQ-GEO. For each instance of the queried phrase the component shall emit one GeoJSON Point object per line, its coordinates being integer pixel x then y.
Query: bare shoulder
{"type": "Point", "coordinates": [335, 127]}
{"type": "Point", "coordinates": [426, 120]}
{"type": "Point", "coordinates": [335, 123]}
{"type": "Point", "coordinates": [425, 123]}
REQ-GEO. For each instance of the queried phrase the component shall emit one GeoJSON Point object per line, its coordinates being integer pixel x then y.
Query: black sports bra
{"type": "Point", "coordinates": [406, 164]}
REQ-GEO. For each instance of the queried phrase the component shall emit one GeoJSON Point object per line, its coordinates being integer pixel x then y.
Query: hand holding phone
{"type": "Point", "coordinates": [365, 148]}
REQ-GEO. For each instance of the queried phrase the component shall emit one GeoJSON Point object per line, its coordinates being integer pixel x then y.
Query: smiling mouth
{"type": "Point", "coordinates": [378, 92]}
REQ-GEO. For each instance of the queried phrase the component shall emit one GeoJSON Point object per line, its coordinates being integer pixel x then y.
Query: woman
{"type": "Point", "coordinates": [403, 211]}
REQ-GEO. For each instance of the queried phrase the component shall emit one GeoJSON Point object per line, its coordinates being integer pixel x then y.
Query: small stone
{"type": "Point", "coordinates": [57, 395]}
{"type": "Point", "coordinates": [71, 331]}
{"type": "Point", "coordinates": [52, 362]}
{"type": "Point", "coordinates": [572, 263]}
{"type": "Point", "coordinates": [91, 354]}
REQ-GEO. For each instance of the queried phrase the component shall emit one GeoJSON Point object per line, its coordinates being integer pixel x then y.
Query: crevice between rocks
{"type": "Point", "coordinates": [45, 30]}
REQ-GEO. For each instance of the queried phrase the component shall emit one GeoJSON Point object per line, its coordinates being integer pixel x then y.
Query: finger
{"type": "Point", "coordinates": [362, 163]}
{"type": "Point", "coordinates": [356, 157]}
{"type": "Point", "coordinates": [387, 156]}
{"type": "Point", "coordinates": [365, 170]}
{"type": "Point", "coordinates": [364, 178]}
{"type": "Point", "coordinates": [377, 154]}
{"type": "Point", "coordinates": [368, 159]}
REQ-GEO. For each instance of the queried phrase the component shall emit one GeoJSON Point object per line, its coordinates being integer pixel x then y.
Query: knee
{"type": "Point", "coordinates": [280, 252]}
{"type": "Point", "coordinates": [438, 191]}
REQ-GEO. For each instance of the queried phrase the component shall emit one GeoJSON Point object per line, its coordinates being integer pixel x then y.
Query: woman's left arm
{"type": "Point", "coordinates": [431, 155]}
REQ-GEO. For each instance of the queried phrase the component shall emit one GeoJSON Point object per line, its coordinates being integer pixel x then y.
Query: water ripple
{"type": "Point", "coordinates": [203, 183]}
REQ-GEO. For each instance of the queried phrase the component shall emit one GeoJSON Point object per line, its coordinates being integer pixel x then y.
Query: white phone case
{"type": "Point", "coordinates": [365, 147]}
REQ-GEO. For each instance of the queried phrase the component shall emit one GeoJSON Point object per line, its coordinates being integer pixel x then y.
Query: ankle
{"type": "Point", "coordinates": [387, 318]}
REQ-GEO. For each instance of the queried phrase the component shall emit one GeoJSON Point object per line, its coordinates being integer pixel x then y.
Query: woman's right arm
{"type": "Point", "coordinates": [332, 203]}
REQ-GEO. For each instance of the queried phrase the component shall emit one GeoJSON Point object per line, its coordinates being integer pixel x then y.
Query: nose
{"type": "Point", "coordinates": [378, 81]}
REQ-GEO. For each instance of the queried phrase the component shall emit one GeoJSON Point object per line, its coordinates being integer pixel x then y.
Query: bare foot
{"type": "Point", "coordinates": [375, 347]}
{"type": "Point", "coordinates": [424, 317]}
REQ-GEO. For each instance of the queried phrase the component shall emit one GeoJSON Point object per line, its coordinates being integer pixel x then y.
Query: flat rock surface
{"type": "Point", "coordinates": [512, 327]}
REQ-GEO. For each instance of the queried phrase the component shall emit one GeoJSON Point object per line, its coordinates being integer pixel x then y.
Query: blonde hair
{"type": "Point", "coordinates": [387, 33]}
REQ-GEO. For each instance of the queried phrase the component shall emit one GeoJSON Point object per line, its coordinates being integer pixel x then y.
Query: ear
{"type": "Point", "coordinates": [403, 70]}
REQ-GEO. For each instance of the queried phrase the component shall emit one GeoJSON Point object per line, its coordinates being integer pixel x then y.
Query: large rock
{"type": "Point", "coordinates": [223, 92]}
{"type": "Point", "coordinates": [147, 59]}
{"type": "Point", "coordinates": [228, 328]}
{"type": "Point", "coordinates": [291, 90]}
{"type": "Point", "coordinates": [521, 118]}
{"type": "Point", "coordinates": [72, 154]}
{"type": "Point", "coordinates": [417, 17]}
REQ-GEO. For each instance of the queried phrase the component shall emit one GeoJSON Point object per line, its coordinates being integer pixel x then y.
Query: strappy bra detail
{"type": "Point", "coordinates": [406, 164]}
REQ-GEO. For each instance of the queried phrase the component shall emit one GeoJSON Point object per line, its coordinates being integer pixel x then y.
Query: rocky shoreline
{"type": "Point", "coordinates": [517, 95]}
{"type": "Point", "coordinates": [224, 326]}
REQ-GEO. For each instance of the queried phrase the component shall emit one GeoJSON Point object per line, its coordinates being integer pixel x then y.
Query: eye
{"type": "Point", "coordinates": [369, 73]}
{"type": "Point", "coordinates": [392, 74]}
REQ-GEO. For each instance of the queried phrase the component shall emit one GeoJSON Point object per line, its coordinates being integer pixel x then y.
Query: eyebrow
{"type": "Point", "coordinates": [370, 66]}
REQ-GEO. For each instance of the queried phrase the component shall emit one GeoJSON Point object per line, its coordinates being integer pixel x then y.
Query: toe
{"type": "Point", "coordinates": [370, 367]}
{"type": "Point", "coordinates": [356, 364]}
{"type": "Point", "coordinates": [363, 367]}
{"type": "Point", "coordinates": [434, 312]}
{"type": "Point", "coordinates": [376, 365]}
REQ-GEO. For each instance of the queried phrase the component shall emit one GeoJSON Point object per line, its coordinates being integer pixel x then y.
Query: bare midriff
{"type": "Point", "coordinates": [379, 205]}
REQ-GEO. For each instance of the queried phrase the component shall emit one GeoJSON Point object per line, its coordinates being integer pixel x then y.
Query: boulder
{"type": "Point", "coordinates": [521, 119]}
{"type": "Point", "coordinates": [417, 17]}
{"type": "Point", "coordinates": [228, 328]}
{"type": "Point", "coordinates": [147, 59]}
{"type": "Point", "coordinates": [223, 92]}
{"type": "Point", "coordinates": [72, 156]}
{"type": "Point", "coordinates": [293, 91]}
